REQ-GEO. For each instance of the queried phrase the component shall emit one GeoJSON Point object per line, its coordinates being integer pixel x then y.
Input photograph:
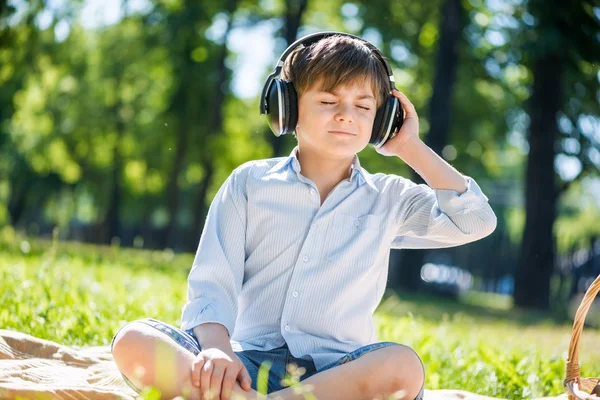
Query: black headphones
{"type": "Point", "coordinates": [280, 102]}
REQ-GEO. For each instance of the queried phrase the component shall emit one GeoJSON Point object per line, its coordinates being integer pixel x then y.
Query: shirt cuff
{"type": "Point", "coordinates": [200, 311]}
{"type": "Point", "coordinates": [451, 202]}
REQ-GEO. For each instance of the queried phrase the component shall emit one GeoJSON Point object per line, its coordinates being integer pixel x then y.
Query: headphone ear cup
{"type": "Point", "coordinates": [386, 121]}
{"type": "Point", "coordinates": [376, 132]}
{"type": "Point", "coordinates": [274, 107]}
{"type": "Point", "coordinates": [290, 107]}
{"type": "Point", "coordinates": [282, 107]}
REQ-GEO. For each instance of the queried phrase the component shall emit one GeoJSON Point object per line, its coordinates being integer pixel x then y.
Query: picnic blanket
{"type": "Point", "coordinates": [35, 368]}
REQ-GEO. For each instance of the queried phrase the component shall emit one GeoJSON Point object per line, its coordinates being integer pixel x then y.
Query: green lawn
{"type": "Point", "coordinates": [79, 294]}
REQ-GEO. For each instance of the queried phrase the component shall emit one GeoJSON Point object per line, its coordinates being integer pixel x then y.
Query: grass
{"type": "Point", "coordinates": [79, 294]}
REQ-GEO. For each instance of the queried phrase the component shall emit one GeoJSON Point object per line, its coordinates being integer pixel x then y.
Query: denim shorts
{"type": "Point", "coordinates": [278, 358]}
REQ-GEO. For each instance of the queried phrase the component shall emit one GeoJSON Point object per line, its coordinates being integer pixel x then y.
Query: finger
{"type": "Point", "coordinates": [228, 382]}
{"type": "Point", "coordinates": [206, 375]}
{"type": "Point", "coordinates": [196, 371]}
{"type": "Point", "coordinates": [245, 379]}
{"type": "Point", "coordinates": [216, 381]}
{"type": "Point", "coordinates": [409, 108]}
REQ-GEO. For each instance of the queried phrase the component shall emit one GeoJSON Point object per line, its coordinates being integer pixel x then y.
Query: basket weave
{"type": "Point", "coordinates": [576, 386]}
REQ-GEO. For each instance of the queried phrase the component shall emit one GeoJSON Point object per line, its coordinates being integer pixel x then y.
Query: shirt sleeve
{"type": "Point", "coordinates": [435, 218]}
{"type": "Point", "coordinates": [215, 279]}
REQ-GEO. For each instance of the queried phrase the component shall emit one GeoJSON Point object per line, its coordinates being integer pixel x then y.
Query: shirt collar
{"type": "Point", "coordinates": [292, 159]}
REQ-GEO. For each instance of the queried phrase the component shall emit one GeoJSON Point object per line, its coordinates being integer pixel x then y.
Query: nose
{"type": "Point", "coordinates": [344, 113]}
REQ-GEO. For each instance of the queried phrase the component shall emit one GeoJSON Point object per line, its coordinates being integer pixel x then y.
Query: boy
{"type": "Point", "coordinates": [293, 258]}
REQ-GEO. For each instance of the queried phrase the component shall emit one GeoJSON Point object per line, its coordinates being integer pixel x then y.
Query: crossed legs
{"type": "Point", "coordinates": [375, 375]}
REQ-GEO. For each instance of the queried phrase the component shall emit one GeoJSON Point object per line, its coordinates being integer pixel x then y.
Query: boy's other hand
{"type": "Point", "coordinates": [409, 129]}
{"type": "Point", "coordinates": [216, 370]}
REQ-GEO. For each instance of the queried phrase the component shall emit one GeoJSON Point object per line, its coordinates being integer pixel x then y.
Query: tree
{"type": "Point", "coordinates": [564, 38]}
{"type": "Point", "coordinates": [451, 26]}
{"type": "Point", "coordinates": [215, 122]}
{"type": "Point", "coordinates": [294, 10]}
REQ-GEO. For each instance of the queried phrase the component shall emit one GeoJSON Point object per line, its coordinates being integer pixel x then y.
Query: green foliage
{"type": "Point", "coordinates": [263, 377]}
{"type": "Point", "coordinates": [497, 353]}
{"type": "Point", "coordinates": [578, 219]}
{"type": "Point", "coordinates": [68, 292]}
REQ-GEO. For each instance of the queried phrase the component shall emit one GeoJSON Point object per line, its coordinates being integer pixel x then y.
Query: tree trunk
{"type": "Point", "coordinates": [536, 263]}
{"type": "Point", "coordinates": [111, 221]}
{"type": "Point", "coordinates": [200, 209]}
{"type": "Point", "coordinates": [216, 122]}
{"type": "Point", "coordinates": [110, 225]}
{"type": "Point", "coordinates": [173, 190]}
{"type": "Point", "coordinates": [181, 106]}
{"type": "Point", "coordinates": [293, 16]}
{"type": "Point", "coordinates": [20, 184]}
{"type": "Point", "coordinates": [409, 269]}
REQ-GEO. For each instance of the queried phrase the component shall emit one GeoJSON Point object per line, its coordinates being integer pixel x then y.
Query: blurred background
{"type": "Point", "coordinates": [120, 120]}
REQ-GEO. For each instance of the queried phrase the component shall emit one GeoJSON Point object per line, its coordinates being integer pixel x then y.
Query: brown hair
{"type": "Point", "coordinates": [336, 61]}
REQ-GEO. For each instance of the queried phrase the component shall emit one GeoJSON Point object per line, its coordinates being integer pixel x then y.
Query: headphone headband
{"type": "Point", "coordinates": [307, 41]}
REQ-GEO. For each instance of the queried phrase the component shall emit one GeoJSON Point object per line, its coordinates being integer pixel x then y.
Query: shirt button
{"type": "Point", "coordinates": [305, 258]}
{"type": "Point", "coordinates": [356, 223]}
{"type": "Point", "coordinates": [313, 191]}
{"type": "Point", "coordinates": [295, 294]}
{"type": "Point", "coordinates": [287, 328]}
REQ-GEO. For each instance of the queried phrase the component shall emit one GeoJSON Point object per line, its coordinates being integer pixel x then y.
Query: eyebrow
{"type": "Point", "coordinates": [361, 97]}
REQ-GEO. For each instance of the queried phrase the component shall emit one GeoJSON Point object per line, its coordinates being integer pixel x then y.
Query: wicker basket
{"type": "Point", "coordinates": [577, 387]}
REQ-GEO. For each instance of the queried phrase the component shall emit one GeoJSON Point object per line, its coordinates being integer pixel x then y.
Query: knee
{"type": "Point", "coordinates": [125, 341]}
{"type": "Point", "coordinates": [130, 351]}
{"type": "Point", "coordinates": [405, 370]}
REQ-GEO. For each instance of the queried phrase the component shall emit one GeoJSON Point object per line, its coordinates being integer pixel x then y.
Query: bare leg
{"type": "Point", "coordinates": [148, 357]}
{"type": "Point", "coordinates": [375, 375]}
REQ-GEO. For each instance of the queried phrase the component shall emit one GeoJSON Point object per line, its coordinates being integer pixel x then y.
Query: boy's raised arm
{"type": "Point", "coordinates": [436, 218]}
{"type": "Point", "coordinates": [215, 279]}
{"type": "Point", "coordinates": [451, 211]}
{"type": "Point", "coordinates": [433, 169]}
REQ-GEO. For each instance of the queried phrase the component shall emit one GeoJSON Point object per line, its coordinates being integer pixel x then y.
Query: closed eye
{"type": "Point", "coordinates": [328, 103]}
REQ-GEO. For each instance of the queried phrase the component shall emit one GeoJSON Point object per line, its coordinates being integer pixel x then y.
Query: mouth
{"type": "Point", "coordinates": [342, 133]}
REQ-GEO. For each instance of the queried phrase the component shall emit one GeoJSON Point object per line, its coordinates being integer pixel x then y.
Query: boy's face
{"type": "Point", "coordinates": [322, 115]}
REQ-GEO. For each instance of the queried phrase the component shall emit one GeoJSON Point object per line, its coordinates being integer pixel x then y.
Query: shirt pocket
{"type": "Point", "coordinates": [353, 241]}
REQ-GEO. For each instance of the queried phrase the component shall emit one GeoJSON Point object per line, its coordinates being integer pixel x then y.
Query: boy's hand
{"type": "Point", "coordinates": [215, 371]}
{"type": "Point", "coordinates": [409, 129]}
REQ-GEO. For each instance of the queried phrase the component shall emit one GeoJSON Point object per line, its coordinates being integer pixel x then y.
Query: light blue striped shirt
{"type": "Point", "coordinates": [275, 266]}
